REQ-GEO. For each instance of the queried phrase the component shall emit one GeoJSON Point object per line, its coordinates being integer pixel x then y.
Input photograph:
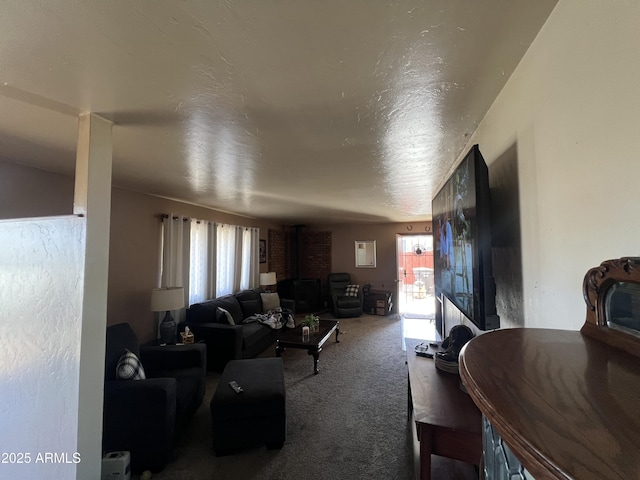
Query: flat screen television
{"type": "Point", "coordinates": [462, 237]}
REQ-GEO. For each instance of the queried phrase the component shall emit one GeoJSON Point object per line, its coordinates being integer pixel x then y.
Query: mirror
{"type": "Point", "coordinates": [365, 254]}
{"type": "Point", "coordinates": [623, 307]}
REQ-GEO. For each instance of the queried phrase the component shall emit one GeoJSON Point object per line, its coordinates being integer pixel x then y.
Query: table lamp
{"type": "Point", "coordinates": [165, 300]}
{"type": "Point", "coordinates": [266, 280]}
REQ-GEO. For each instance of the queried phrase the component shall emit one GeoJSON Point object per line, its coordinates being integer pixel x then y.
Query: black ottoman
{"type": "Point", "coordinates": [255, 416]}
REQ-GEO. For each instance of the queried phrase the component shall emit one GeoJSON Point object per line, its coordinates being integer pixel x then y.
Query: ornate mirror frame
{"type": "Point", "coordinates": [599, 287]}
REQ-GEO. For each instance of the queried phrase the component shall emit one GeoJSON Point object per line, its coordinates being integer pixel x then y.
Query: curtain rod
{"type": "Point", "coordinates": [163, 216]}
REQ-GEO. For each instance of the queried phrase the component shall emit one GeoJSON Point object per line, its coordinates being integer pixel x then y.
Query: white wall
{"type": "Point", "coordinates": [41, 273]}
{"type": "Point", "coordinates": [571, 115]}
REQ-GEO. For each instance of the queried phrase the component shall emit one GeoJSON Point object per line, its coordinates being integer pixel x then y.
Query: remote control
{"type": "Point", "coordinates": [237, 388]}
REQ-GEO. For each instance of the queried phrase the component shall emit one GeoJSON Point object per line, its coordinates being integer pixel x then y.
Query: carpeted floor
{"type": "Point", "coordinates": [347, 422]}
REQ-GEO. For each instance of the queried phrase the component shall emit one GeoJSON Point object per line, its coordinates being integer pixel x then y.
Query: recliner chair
{"type": "Point", "coordinates": [341, 304]}
{"type": "Point", "coordinates": [144, 416]}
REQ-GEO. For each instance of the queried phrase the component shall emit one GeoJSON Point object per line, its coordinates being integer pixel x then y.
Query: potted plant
{"type": "Point", "coordinates": [312, 321]}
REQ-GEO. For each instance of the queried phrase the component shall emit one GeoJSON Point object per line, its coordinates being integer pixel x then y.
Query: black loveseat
{"type": "Point", "coordinates": [244, 339]}
{"type": "Point", "coordinates": [145, 416]}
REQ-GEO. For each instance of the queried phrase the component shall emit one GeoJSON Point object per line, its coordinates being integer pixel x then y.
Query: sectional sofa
{"type": "Point", "coordinates": [231, 325]}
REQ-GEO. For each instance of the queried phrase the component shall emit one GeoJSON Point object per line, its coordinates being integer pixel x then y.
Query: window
{"type": "Point", "coordinates": [208, 259]}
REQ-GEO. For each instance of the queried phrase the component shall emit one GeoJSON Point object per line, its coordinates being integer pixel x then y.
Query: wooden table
{"type": "Point", "coordinates": [566, 404]}
{"type": "Point", "coordinates": [447, 421]}
{"type": "Point", "coordinates": [293, 339]}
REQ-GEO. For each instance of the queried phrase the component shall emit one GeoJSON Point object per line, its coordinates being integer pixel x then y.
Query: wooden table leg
{"type": "Point", "coordinates": [316, 357]}
{"type": "Point", "coordinates": [424, 435]}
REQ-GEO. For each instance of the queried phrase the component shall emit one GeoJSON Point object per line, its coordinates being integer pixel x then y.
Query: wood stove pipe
{"type": "Point", "coordinates": [298, 250]}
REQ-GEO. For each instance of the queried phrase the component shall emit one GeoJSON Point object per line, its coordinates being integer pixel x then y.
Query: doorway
{"type": "Point", "coordinates": [415, 296]}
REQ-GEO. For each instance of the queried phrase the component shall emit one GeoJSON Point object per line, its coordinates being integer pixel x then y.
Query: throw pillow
{"type": "Point", "coordinates": [227, 314]}
{"type": "Point", "coordinates": [270, 301]}
{"type": "Point", "coordinates": [352, 290]}
{"type": "Point", "coordinates": [129, 367]}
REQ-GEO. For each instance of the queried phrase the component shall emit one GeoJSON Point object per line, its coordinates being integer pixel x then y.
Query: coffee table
{"type": "Point", "coordinates": [292, 338]}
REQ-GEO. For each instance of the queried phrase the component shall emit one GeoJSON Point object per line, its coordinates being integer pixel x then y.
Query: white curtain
{"type": "Point", "coordinates": [175, 257]}
{"type": "Point", "coordinates": [202, 272]}
{"type": "Point", "coordinates": [226, 259]}
{"type": "Point", "coordinates": [250, 275]}
{"type": "Point", "coordinates": [238, 258]}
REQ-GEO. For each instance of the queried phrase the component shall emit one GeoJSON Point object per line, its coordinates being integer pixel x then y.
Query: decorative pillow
{"type": "Point", "coordinates": [226, 314]}
{"type": "Point", "coordinates": [352, 290]}
{"type": "Point", "coordinates": [270, 301]}
{"type": "Point", "coordinates": [250, 307]}
{"type": "Point", "coordinates": [129, 367]}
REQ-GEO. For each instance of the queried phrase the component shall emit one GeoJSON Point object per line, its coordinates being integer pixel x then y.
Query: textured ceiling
{"type": "Point", "coordinates": [300, 111]}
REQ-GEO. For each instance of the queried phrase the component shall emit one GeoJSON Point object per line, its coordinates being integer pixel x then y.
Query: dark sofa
{"type": "Point", "coordinates": [227, 342]}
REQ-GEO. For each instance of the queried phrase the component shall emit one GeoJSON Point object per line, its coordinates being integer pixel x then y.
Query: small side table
{"type": "Point", "coordinates": [378, 302]}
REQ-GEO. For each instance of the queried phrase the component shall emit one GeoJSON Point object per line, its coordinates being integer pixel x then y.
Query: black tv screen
{"type": "Point", "coordinates": [462, 237]}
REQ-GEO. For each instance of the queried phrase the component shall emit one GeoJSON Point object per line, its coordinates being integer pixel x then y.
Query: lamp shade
{"type": "Point", "coordinates": [165, 299]}
{"type": "Point", "coordinates": [268, 278]}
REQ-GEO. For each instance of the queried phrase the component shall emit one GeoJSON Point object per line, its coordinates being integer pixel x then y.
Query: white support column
{"type": "Point", "coordinates": [93, 200]}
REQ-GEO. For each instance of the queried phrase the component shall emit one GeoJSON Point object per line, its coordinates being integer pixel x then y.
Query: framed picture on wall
{"type": "Point", "coordinates": [263, 251]}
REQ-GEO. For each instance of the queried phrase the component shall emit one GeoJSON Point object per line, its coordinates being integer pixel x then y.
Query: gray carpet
{"type": "Point", "coordinates": [347, 422]}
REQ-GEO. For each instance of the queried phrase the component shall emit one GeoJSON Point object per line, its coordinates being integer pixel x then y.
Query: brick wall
{"type": "Point", "coordinates": [315, 254]}
{"type": "Point", "coordinates": [277, 259]}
